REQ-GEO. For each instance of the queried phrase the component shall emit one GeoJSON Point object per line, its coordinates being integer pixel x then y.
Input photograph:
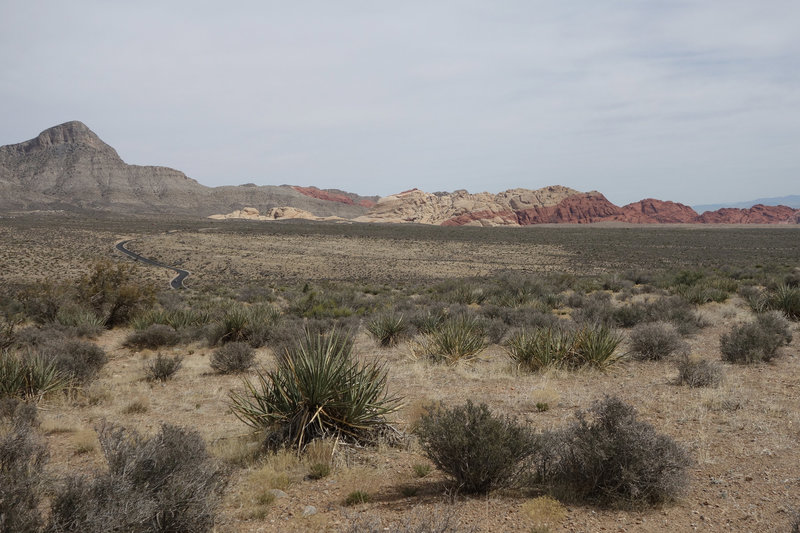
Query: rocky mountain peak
{"type": "Point", "coordinates": [69, 134]}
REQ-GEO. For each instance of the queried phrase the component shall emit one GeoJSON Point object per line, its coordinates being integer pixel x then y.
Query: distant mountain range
{"type": "Point", "coordinates": [69, 167]}
{"type": "Point", "coordinates": [789, 201]}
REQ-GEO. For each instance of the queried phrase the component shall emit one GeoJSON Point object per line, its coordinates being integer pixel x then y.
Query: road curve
{"type": "Point", "coordinates": [177, 281]}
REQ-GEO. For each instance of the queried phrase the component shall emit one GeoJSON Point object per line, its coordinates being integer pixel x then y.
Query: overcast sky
{"type": "Point", "coordinates": [691, 101]}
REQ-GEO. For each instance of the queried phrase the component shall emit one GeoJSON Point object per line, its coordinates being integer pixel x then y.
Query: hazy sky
{"type": "Point", "coordinates": [691, 101]}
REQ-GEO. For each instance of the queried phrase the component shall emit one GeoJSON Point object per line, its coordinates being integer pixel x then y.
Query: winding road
{"type": "Point", "coordinates": [177, 281]}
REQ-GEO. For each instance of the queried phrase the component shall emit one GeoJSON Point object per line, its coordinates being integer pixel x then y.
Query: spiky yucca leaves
{"type": "Point", "coordinates": [541, 348]}
{"type": "Point", "coordinates": [387, 329]}
{"type": "Point", "coordinates": [551, 347]}
{"type": "Point", "coordinates": [785, 299]}
{"type": "Point", "coordinates": [596, 346]}
{"type": "Point", "coordinates": [318, 389]}
{"type": "Point", "coordinates": [29, 375]}
{"type": "Point", "coordinates": [458, 338]}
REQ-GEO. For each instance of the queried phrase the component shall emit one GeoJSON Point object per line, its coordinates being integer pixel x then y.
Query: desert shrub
{"type": "Point", "coordinates": [678, 311]}
{"type": "Point", "coordinates": [42, 303]}
{"type": "Point", "coordinates": [28, 375]}
{"type": "Point", "coordinates": [8, 336]}
{"type": "Point", "coordinates": [75, 359]}
{"type": "Point", "coordinates": [245, 324]}
{"type": "Point", "coordinates": [387, 329]}
{"type": "Point", "coordinates": [755, 341]}
{"type": "Point", "coordinates": [458, 338]}
{"type": "Point", "coordinates": [699, 372]}
{"type": "Point", "coordinates": [155, 336]}
{"type": "Point", "coordinates": [461, 291]}
{"type": "Point", "coordinates": [596, 308]}
{"type": "Point", "coordinates": [521, 317]}
{"type": "Point", "coordinates": [611, 458]}
{"type": "Point", "coordinates": [541, 348]}
{"type": "Point", "coordinates": [166, 483]}
{"type": "Point", "coordinates": [627, 316]}
{"type": "Point", "coordinates": [479, 450]}
{"type": "Point", "coordinates": [110, 291]}
{"type": "Point", "coordinates": [163, 368]}
{"type": "Point", "coordinates": [178, 318]}
{"type": "Point", "coordinates": [318, 389]}
{"type": "Point", "coordinates": [23, 456]}
{"type": "Point", "coordinates": [595, 346]}
{"type": "Point", "coordinates": [655, 340]}
{"type": "Point", "coordinates": [232, 357]}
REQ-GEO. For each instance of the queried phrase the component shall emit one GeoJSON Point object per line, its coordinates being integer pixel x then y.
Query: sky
{"type": "Point", "coordinates": [690, 101]}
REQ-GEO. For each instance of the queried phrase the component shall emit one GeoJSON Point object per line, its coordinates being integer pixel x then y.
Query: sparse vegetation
{"type": "Point", "coordinates": [163, 367]}
{"type": "Point", "coordinates": [755, 341]}
{"type": "Point", "coordinates": [153, 337]}
{"type": "Point", "coordinates": [28, 375]}
{"type": "Point", "coordinates": [480, 451]}
{"type": "Point", "coordinates": [549, 347]}
{"type": "Point", "coordinates": [233, 357]}
{"type": "Point", "coordinates": [609, 457]}
{"type": "Point", "coordinates": [167, 482]}
{"type": "Point", "coordinates": [357, 497]}
{"type": "Point", "coordinates": [699, 372]}
{"type": "Point", "coordinates": [655, 340]}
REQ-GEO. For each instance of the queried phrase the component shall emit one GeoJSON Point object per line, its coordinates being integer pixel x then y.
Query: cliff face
{"type": "Point", "coordinates": [758, 214]}
{"type": "Point", "coordinates": [69, 166]}
{"type": "Point", "coordinates": [652, 211]}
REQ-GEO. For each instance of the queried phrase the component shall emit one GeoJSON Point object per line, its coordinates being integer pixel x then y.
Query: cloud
{"type": "Point", "coordinates": [685, 100]}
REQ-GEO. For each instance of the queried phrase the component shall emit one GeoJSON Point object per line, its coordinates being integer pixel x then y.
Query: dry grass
{"type": "Point", "coordinates": [743, 435]}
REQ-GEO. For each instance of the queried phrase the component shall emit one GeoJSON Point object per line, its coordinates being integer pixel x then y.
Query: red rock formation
{"type": "Point", "coordinates": [652, 211]}
{"type": "Point", "coordinates": [581, 208]}
{"type": "Point", "coordinates": [758, 214]}
{"type": "Point", "coordinates": [333, 196]}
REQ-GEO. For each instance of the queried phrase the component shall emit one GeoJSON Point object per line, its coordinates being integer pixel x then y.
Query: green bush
{"type": "Point", "coordinates": [655, 340]}
{"type": "Point", "coordinates": [233, 357]}
{"type": "Point", "coordinates": [699, 372]}
{"type": "Point", "coordinates": [429, 320]}
{"type": "Point", "coordinates": [29, 375]}
{"type": "Point", "coordinates": [163, 368]}
{"type": "Point", "coordinates": [458, 338]}
{"type": "Point", "coordinates": [23, 456]}
{"type": "Point", "coordinates": [153, 337]}
{"type": "Point", "coordinates": [479, 450]}
{"type": "Point", "coordinates": [611, 458]}
{"type": "Point", "coordinates": [755, 341]}
{"type": "Point", "coordinates": [318, 389]}
{"type": "Point", "coordinates": [166, 483]}
{"type": "Point", "coordinates": [112, 294]}
{"type": "Point", "coordinates": [387, 329]}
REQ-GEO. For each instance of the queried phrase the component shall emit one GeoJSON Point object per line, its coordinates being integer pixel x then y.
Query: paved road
{"type": "Point", "coordinates": [177, 281]}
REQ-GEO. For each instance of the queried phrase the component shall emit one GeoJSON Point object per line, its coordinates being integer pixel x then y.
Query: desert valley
{"type": "Point", "coordinates": [533, 360]}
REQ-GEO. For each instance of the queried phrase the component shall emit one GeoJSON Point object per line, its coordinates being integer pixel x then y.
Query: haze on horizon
{"type": "Point", "coordinates": [691, 101]}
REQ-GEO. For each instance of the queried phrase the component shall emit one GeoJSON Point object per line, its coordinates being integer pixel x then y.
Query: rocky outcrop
{"type": "Point", "coordinates": [758, 214]}
{"type": "Point", "coordinates": [276, 213]}
{"type": "Point", "coordinates": [461, 207]}
{"type": "Point", "coordinates": [335, 195]}
{"type": "Point", "coordinates": [652, 211]}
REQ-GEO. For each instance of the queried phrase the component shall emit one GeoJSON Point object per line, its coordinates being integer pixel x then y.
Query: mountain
{"type": "Point", "coordinates": [69, 166]}
{"type": "Point", "coordinates": [789, 201]}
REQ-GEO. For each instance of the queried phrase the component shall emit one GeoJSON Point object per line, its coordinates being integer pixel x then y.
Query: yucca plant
{"type": "Point", "coordinates": [317, 390]}
{"type": "Point", "coordinates": [245, 324]}
{"type": "Point", "coordinates": [29, 376]}
{"type": "Point", "coordinates": [596, 346]}
{"type": "Point", "coordinates": [458, 338]}
{"type": "Point", "coordinates": [387, 329]}
{"type": "Point", "coordinates": [785, 299]}
{"type": "Point", "coordinates": [541, 348]}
